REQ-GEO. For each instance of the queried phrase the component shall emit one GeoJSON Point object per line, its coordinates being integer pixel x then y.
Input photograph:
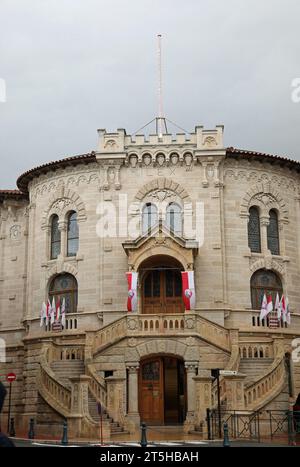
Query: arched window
{"type": "Point", "coordinates": [73, 234]}
{"type": "Point", "coordinates": [149, 217]}
{"type": "Point", "coordinates": [64, 286]}
{"type": "Point", "coordinates": [273, 233]}
{"type": "Point", "coordinates": [174, 218]}
{"type": "Point", "coordinates": [254, 230]}
{"type": "Point", "coordinates": [264, 282]}
{"type": "Point", "coordinates": [55, 238]}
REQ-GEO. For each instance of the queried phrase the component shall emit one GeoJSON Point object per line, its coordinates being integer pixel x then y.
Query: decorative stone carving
{"type": "Point", "coordinates": [133, 161]}
{"type": "Point", "coordinates": [163, 184]}
{"type": "Point", "coordinates": [62, 202]}
{"type": "Point", "coordinates": [15, 232]}
{"type": "Point", "coordinates": [160, 159]}
{"type": "Point", "coordinates": [111, 145]}
{"type": "Point", "coordinates": [132, 324]}
{"type": "Point", "coordinates": [188, 158]}
{"type": "Point", "coordinates": [161, 195]}
{"type": "Point", "coordinates": [266, 197]}
{"type": "Point", "coordinates": [210, 142]}
{"type": "Point", "coordinates": [190, 323]}
{"type": "Point", "coordinates": [111, 174]}
{"type": "Point", "coordinates": [147, 159]}
{"type": "Point", "coordinates": [174, 159]}
{"type": "Point", "coordinates": [267, 263]}
{"type": "Point", "coordinates": [210, 171]}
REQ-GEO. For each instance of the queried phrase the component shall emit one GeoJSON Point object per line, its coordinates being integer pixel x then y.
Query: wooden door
{"type": "Point", "coordinates": [162, 292]}
{"type": "Point", "coordinates": [172, 302]}
{"type": "Point", "coordinates": [151, 393]}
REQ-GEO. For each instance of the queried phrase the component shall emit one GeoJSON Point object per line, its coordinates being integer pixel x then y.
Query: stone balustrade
{"type": "Point", "coordinates": [255, 350]}
{"type": "Point", "coordinates": [55, 393]}
{"type": "Point", "coordinates": [249, 321]}
{"type": "Point", "coordinates": [160, 325]}
{"type": "Point", "coordinates": [97, 385]}
{"type": "Point", "coordinates": [266, 387]}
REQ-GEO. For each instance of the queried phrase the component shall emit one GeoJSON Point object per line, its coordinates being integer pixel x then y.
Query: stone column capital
{"type": "Point", "coordinates": [191, 367]}
{"type": "Point", "coordinates": [132, 367]}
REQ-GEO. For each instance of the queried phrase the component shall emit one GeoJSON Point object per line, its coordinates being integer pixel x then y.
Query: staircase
{"type": "Point", "coordinates": [115, 428]}
{"type": "Point", "coordinates": [254, 368]}
{"type": "Point", "coordinates": [66, 369]}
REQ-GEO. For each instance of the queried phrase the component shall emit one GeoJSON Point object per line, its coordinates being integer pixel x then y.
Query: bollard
{"type": "Point", "coordinates": [291, 431]}
{"type": "Point", "coordinates": [31, 429]}
{"type": "Point", "coordinates": [143, 435]}
{"type": "Point", "coordinates": [64, 440]}
{"type": "Point", "coordinates": [226, 443]}
{"type": "Point", "coordinates": [12, 431]}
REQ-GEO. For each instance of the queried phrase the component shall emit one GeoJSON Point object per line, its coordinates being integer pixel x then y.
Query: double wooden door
{"type": "Point", "coordinates": [162, 292]}
{"type": "Point", "coordinates": [162, 391]}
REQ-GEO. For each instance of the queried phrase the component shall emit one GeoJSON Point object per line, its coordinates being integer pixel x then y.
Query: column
{"type": "Point", "coordinates": [234, 387]}
{"type": "Point", "coordinates": [115, 398]}
{"type": "Point", "coordinates": [62, 227]}
{"type": "Point", "coordinates": [191, 395]}
{"type": "Point", "coordinates": [264, 222]}
{"type": "Point", "coordinates": [203, 383]}
{"type": "Point", "coordinates": [133, 417]}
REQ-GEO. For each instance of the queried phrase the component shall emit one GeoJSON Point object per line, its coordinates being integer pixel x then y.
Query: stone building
{"type": "Point", "coordinates": [157, 206]}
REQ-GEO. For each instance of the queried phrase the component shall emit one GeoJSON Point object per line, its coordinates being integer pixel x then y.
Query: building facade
{"type": "Point", "coordinates": [157, 206]}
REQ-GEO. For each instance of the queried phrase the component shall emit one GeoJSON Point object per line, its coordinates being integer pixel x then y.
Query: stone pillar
{"type": "Point", "coordinates": [203, 383]}
{"type": "Point", "coordinates": [235, 391]}
{"type": "Point", "coordinates": [189, 423]}
{"type": "Point", "coordinates": [264, 222]}
{"type": "Point", "coordinates": [62, 227]}
{"type": "Point", "coordinates": [115, 398]}
{"type": "Point", "coordinates": [79, 395]}
{"type": "Point", "coordinates": [133, 417]}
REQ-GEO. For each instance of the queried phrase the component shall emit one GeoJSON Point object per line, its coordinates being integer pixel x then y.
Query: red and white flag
{"type": "Point", "coordinates": [132, 278]}
{"type": "Point", "coordinates": [277, 307]}
{"type": "Point", "coordinates": [52, 311]}
{"type": "Point", "coordinates": [57, 310]}
{"type": "Point", "coordinates": [283, 309]}
{"type": "Point", "coordinates": [48, 312]}
{"type": "Point", "coordinates": [63, 312]}
{"type": "Point", "coordinates": [269, 304]}
{"type": "Point", "coordinates": [263, 310]}
{"type": "Point", "coordinates": [188, 290]}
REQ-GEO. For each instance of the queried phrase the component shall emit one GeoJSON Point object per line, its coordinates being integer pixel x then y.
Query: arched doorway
{"type": "Point", "coordinates": [162, 390]}
{"type": "Point", "coordinates": [161, 285]}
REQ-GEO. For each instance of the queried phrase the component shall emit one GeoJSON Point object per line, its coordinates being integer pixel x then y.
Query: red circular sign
{"type": "Point", "coordinates": [11, 377]}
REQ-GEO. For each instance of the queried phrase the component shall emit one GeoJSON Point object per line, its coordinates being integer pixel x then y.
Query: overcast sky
{"type": "Point", "coordinates": [72, 66]}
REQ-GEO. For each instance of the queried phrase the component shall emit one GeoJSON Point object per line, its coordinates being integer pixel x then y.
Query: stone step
{"type": "Point", "coordinates": [254, 368]}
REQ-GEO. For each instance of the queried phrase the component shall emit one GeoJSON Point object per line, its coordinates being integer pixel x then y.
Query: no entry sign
{"type": "Point", "coordinates": [10, 377]}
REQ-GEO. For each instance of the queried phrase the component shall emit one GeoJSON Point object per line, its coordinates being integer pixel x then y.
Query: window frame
{"type": "Point", "coordinates": [256, 236]}
{"type": "Point", "coordinates": [53, 242]}
{"type": "Point", "coordinates": [69, 238]}
{"type": "Point", "coordinates": [273, 236]}
{"type": "Point", "coordinates": [257, 290]}
{"type": "Point", "coordinates": [73, 291]}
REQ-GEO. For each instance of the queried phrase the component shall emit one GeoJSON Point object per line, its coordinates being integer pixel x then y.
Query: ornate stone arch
{"type": "Point", "coordinates": [61, 268]}
{"type": "Point", "coordinates": [60, 203]}
{"type": "Point", "coordinates": [163, 184]}
{"type": "Point", "coordinates": [269, 264]}
{"type": "Point", "coordinates": [159, 347]}
{"type": "Point", "coordinates": [266, 197]}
